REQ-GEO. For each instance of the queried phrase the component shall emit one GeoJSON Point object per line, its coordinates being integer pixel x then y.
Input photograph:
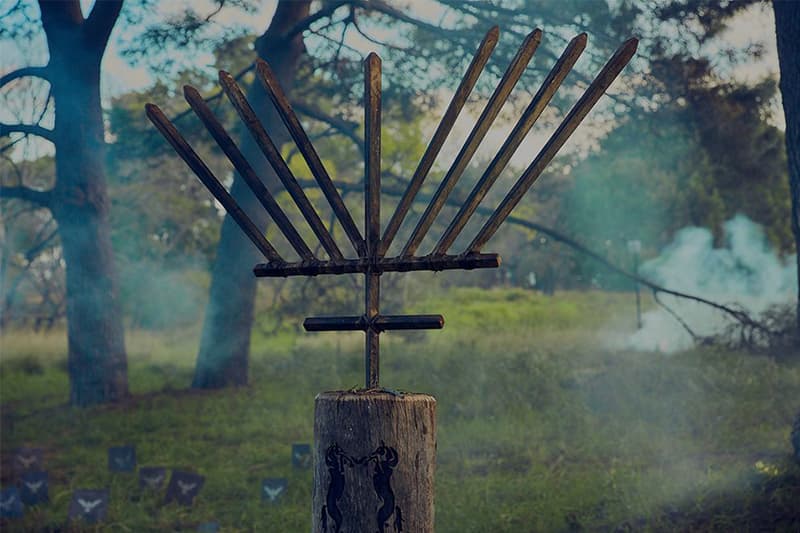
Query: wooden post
{"type": "Point", "coordinates": [374, 460]}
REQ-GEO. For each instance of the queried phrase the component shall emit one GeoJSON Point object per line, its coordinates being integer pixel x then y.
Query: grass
{"type": "Point", "coordinates": [542, 425]}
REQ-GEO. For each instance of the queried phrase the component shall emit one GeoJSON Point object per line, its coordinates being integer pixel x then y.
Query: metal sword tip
{"type": "Point", "coordinates": [190, 93]}
{"type": "Point", "coordinates": [630, 45]}
{"type": "Point", "coordinates": [263, 68]}
{"type": "Point", "coordinates": [225, 76]}
{"type": "Point", "coordinates": [626, 51]}
{"type": "Point", "coordinates": [580, 38]}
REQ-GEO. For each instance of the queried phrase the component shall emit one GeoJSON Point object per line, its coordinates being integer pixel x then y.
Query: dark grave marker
{"type": "Point", "coordinates": [301, 456]}
{"type": "Point", "coordinates": [28, 460]}
{"type": "Point", "coordinates": [89, 505]}
{"type": "Point", "coordinates": [152, 477]}
{"type": "Point", "coordinates": [122, 458]}
{"type": "Point", "coordinates": [33, 488]}
{"type": "Point", "coordinates": [10, 503]}
{"type": "Point", "coordinates": [373, 446]}
{"type": "Point", "coordinates": [208, 527]}
{"type": "Point", "coordinates": [273, 489]}
{"type": "Point", "coordinates": [183, 487]}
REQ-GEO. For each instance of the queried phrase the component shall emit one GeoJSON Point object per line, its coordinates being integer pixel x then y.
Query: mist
{"type": "Point", "coordinates": [745, 272]}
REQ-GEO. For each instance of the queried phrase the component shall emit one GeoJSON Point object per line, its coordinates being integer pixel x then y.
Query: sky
{"type": "Point", "coordinates": [753, 26]}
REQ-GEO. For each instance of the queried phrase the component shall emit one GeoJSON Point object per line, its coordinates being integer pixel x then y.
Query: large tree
{"type": "Point", "coordinates": [78, 199]}
{"type": "Point", "coordinates": [787, 29]}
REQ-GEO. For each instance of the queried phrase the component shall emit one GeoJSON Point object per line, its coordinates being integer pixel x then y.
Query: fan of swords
{"type": "Point", "coordinates": [371, 248]}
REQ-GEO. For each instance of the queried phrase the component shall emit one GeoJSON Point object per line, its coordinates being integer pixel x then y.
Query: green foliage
{"type": "Point", "coordinates": [704, 156]}
{"type": "Point", "coordinates": [540, 427]}
{"type": "Point", "coordinates": [480, 310]}
{"type": "Point", "coordinates": [160, 210]}
{"type": "Point", "coordinates": [157, 298]}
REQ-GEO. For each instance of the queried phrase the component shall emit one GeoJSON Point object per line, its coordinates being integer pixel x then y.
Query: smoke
{"type": "Point", "coordinates": [156, 297]}
{"type": "Point", "coordinates": [746, 272]}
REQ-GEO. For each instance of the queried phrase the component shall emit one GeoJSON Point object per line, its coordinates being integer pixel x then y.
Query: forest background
{"type": "Point", "coordinates": [107, 236]}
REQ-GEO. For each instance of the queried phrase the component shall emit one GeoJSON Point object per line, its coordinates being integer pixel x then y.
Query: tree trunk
{"type": "Point", "coordinates": [225, 343]}
{"type": "Point", "coordinates": [374, 461]}
{"type": "Point", "coordinates": [96, 348]}
{"type": "Point", "coordinates": [787, 30]}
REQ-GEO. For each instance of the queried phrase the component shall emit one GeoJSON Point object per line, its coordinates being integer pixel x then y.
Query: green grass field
{"type": "Point", "coordinates": [541, 426]}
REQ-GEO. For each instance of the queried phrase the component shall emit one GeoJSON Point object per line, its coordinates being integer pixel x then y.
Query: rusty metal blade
{"type": "Point", "coordinates": [372, 209]}
{"type": "Point", "coordinates": [190, 157]}
{"type": "Point", "coordinates": [578, 112]}
{"type": "Point", "coordinates": [336, 323]}
{"type": "Point", "coordinates": [271, 152]}
{"type": "Point", "coordinates": [398, 322]}
{"type": "Point", "coordinates": [372, 152]}
{"type": "Point", "coordinates": [529, 117]}
{"type": "Point", "coordinates": [490, 112]}
{"type": "Point", "coordinates": [440, 135]}
{"type": "Point", "coordinates": [281, 102]}
{"type": "Point", "coordinates": [247, 173]}
{"type": "Point", "coordinates": [381, 322]}
{"type": "Point", "coordinates": [362, 265]}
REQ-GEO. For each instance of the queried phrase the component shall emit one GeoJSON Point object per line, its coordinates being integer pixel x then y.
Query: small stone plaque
{"type": "Point", "coordinates": [301, 456]}
{"type": "Point", "coordinates": [183, 487]}
{"type": "Point", "coordinates": [122, 458]}
{"type": "Point", "coordinates": [89, 505]}
{"type": "Point", "coordinates": [33, 488]}
{"type": "Point", "coordinates": [28, 460]}
{"type": "Point", "coordinates": [208, 527]}
{"type": "Point", "coordinates": [10, 503]}
{"type": "Point", "coordinates": [273, 489]}
{"type": "Point", "coordinates": [152, 477]}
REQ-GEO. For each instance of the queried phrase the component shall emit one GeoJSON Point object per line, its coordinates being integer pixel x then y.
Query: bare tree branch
{"type": "Point", "coordinates": [677, 317]}
{"type": "Point", "coordinates": [215, 95]}
{"type": "Point", "coordinates": [41, 244]}
{"type": "Point", "coordinates": [44, 107]}
{"type": "Point", "coordinates": [346, 128]}
{"type": "Point", "coordinates": [17, 6]}
{"type": "Point", "coordinates": [368, 5]}
{"type": "Point", "coordinates": [41, 198]}
{"type": "Point", "coordinates": [9, 146]}
{"type": "Point", "coordinates": [38, 72]}
{"type": "Point", "coordinates": [27, 129]}
{"type": "Point", "coordinates": [306, 23]}
{"type": "Point", "coordinates": [382, 7]}
{"type": "Point", "coordinates": [373, 40]}
{"type": "Point", "coordinates": [215, 12]}
{"type": "Point", "coordinates": [339, 43]}
{"type": "Point", "coordinates": [350, 17]}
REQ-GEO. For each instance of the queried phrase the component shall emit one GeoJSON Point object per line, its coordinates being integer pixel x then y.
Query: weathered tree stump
{"type": "Point", "coordinates": [374, 460]}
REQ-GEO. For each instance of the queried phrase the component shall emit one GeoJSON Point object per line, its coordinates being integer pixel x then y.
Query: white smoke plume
{"type": "Point", "coordinates": [745, 272]}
